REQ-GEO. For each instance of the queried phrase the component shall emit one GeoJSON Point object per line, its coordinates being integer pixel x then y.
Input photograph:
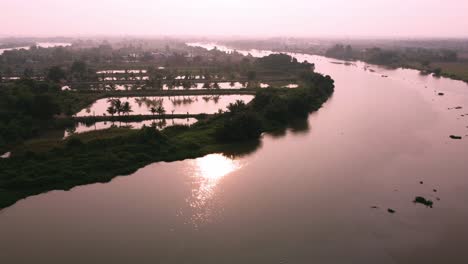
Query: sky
{"type": "Point", "coordinates": [255, 18]}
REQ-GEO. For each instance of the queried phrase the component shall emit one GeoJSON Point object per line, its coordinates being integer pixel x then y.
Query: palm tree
{"type": "Point", "coordinates": [153, 110]}
{"type": "Point", "coordinates": [117, 105]}
{"type": "Point", "coordinates": [111, 110]}
{"type": "Point", "coordinates": [127, 108]}
{"type": "Point", "coordinates": [161, 110]}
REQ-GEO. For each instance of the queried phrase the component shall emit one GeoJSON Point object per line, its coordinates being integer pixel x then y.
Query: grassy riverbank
{"type": "Point", "coordinates": [100, 156]}
{"type": "Point", "coordinates": [440, 62]}
{"type": "Point", "coordinates": [453, 70]}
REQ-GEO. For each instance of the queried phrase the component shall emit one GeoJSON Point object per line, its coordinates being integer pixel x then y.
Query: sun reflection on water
{"type": "Point", "coordinates": [206, 174]}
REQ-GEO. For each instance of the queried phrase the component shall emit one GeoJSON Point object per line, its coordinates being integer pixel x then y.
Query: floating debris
{"type": "Point", "coordinates": [374, 207]}
{"type": "Point", "coordinates": [456, 107]}
{"type": "Point", "coordinates": [390, 210]}
{"type": "Point", "coordinates": [455, 137]}
{"type": "Point", "coordinates": [422, 200]}
{"type": "Point", "coordinates": [440, 94]}
{"type": "Point", "coordinates": [421, 182]}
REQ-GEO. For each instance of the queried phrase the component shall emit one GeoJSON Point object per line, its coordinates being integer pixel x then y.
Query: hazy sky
{"type": "Point", "coordinates": [348, 18]}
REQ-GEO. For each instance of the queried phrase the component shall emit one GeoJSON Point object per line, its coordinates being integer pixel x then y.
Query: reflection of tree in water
{"type": "Point", "coordinates": [182, 100]}
{"type": "Point", "coordinates": [159, 124]}
{"type": "Point", "coordinates": [242, 149]}
{"type": "Point", "coordinates": [149, 102]}
{"type": "Point", "coordinates": [208, 98]}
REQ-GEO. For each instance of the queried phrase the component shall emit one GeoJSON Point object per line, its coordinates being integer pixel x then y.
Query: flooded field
{"type": "Point", "coordinates": [207, 104]}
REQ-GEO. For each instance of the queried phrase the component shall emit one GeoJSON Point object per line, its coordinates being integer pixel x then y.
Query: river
{"type": "Point", "coordinates": [307, 195]}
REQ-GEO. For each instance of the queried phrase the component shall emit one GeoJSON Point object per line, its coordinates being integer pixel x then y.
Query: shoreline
{"type": "Point", "coordinates": [102, 155]}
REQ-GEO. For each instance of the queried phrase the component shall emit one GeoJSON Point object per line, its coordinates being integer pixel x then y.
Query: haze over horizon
{"type": "Point", "coordinates": [262, 18]}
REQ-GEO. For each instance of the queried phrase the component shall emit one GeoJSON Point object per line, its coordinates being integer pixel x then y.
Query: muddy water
{"type": "Point", "coordinates": [301, 196]}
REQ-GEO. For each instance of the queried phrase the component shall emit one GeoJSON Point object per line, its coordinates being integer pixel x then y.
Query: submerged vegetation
{"type": "Point", "coordinates": [424, 201]}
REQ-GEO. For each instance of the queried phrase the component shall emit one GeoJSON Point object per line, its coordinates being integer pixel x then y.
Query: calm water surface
{"type": "Point", "coordinates": [158, 123]}
{"type": "Point", "coordinates": [208, 104]}
{"type": "Point", "coordinates": [302, 196]}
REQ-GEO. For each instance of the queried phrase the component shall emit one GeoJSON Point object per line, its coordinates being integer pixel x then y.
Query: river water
{"type": "Point", "coordinates": [304, 195]}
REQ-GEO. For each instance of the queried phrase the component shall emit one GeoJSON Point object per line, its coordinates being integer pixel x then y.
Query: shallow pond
{"type": "Point", "coordinates": [206, 104]}
{"type": "Point", "coordinates": [5, 155]}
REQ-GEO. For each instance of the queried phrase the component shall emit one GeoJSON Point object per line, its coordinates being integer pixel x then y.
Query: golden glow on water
{"type": "Point", "coordinates": [206, 175]}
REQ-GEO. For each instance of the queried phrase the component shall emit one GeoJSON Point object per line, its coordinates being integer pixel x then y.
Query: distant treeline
{"type": "Point", "coordinates": [392, 57]}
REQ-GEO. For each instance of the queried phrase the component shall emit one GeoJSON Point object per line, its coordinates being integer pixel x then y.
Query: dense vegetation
{"type": "Point", "coordinates": [27, 108]}
{"type": "Point", "coordinates": [147, 65]}
{"type": "Point", "coordinates": [99, 156]}
{"type": "Point", "coordinates": [440, 62]}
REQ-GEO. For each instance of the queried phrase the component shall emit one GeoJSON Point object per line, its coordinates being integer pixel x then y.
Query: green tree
{"type": "Point", "coordinates": [251, 75]}
{"type": "Point", "coordinates": [56, 74]}
{"type": "Point", "coordinates": [237, 106]}
{"type": "Point", "coordinates": [44, 107]}
{"type": "Point", "coordinates": [79, 69]}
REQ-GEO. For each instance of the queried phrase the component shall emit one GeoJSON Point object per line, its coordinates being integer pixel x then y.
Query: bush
{"type": "Point", "coordinates": [74, 142]}
{"type": "Point", "coordinates": [240, 126]}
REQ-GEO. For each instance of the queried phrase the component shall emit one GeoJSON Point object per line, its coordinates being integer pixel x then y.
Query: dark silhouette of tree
{"type": "Point", "coordinates": [237, 106]}
{"type": "Point", "coordinates": [251, 75]}
{"type": "Point", "coordinates": [117, 105]}
{"type": "Point", "coordinates": [153, 110]}
{"type": "Point", "coordinates": [56, 74]}
{"type": "Point", "coordinates": [126, 108]}
{"type": "Point", "coordinates": [28, 73]}
{"type": "Point", "coordinates": [111, 110]}
{"type": "Point", "coordinates": [161, 110]}
{"type": "Point", "coordinates": [79, 70]}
